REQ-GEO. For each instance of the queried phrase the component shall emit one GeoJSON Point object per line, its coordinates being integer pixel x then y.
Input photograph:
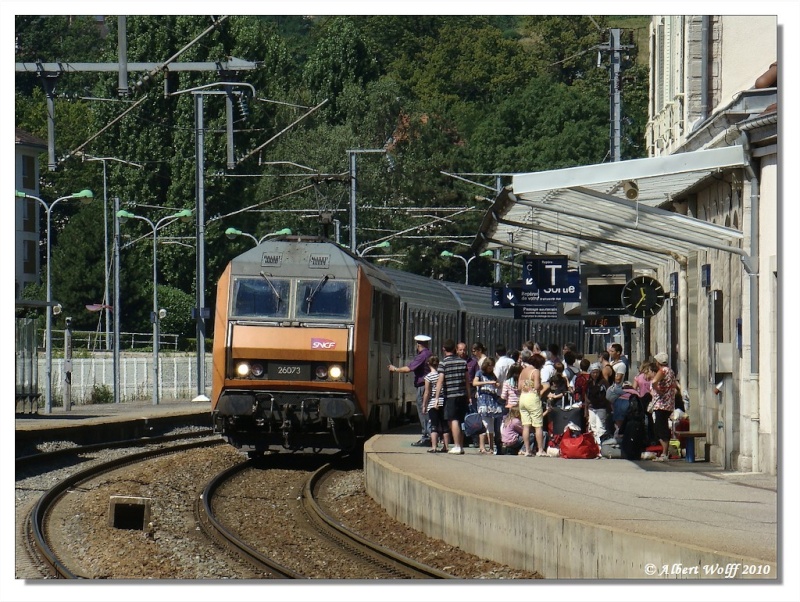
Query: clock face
{"type": "Point", "coordinates": [643, 296]}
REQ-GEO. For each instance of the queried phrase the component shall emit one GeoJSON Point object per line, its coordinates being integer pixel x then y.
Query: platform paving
{"type": "Point", "coordinates": [583, 519]}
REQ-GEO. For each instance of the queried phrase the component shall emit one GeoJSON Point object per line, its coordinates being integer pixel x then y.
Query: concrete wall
{"type": "Point", "coordinates": [555, 546]}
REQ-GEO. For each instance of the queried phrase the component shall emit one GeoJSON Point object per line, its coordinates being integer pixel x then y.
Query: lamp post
{"type": "Point", "coordinates": [184, 215]}
{"type": "Point", "coordinates": [381, 245]}
{"type": "Point", "coordinates": [465, 260]}
{"type": "Point", "coordinates": [234, 232]}
{"type": "Point", "coordinates": [86, 196]}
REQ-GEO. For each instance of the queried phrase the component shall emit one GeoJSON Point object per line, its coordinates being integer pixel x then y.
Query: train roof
{"type": "Point", "coordinates": [438, 294]}
{"type": "Point", "coordinates": [293, 256]}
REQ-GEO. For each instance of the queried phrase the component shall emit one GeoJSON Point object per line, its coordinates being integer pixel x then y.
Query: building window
{"type": "Point", "coordinates": [28, 172]}
{"type": "Point", "coordinates": [29, 256]}
{"type": "Point", "coordinates": [28, 215]}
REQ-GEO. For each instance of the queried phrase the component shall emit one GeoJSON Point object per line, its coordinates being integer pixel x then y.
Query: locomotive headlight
{"type": "Point", "coordinates": [321, 372]}
{"type": "Point", "coordinates": [258, 370]}
{"type": "Point", "coordinates": [242, 369]}
{"type": "Point", "coordinates": [335, 372]}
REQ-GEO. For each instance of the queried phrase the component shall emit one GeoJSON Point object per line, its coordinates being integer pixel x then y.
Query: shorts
{"type": "Point", "coordinates": [661, 427]}
{"type": "Point", "coordinates": [438, 423]}
{"type": "Point", "coordinates": [455, 408]}
{"type": "Point", "coordinates": [530, 409]}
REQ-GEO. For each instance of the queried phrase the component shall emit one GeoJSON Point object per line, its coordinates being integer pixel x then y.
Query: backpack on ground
{"type": "Point", "coordinates": [473, 425]}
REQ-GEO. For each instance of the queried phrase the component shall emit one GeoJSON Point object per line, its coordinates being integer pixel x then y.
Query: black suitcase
{"type": "Point", "coordinates": [559, 419]}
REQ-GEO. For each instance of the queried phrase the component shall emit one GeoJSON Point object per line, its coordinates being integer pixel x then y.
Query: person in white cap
{"type": "Point", "coordinates": [419, 366]}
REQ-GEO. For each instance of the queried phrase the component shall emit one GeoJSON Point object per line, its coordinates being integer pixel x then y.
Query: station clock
{"type": "Point", "coordinates": [643, 296]}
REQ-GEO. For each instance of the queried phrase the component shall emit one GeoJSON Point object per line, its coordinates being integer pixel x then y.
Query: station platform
{"type": "Point", "coordinates": [99, 423]}
{"type": "Point", "coordinates": [583, 519]}
{"type": "Point", "coordinates": [567, 519]}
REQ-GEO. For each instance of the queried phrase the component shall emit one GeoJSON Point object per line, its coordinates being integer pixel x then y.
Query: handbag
{"type": "Point", "coordinates": [473, 425]}
{"type": "Point", "coordinates": [583, 447]}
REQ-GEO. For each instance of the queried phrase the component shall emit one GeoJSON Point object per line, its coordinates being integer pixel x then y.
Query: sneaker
{"type": "Point", "coordinates": [660, 459]}
{"type": "Point", "coordinates": [422, 443]}
{"type": "Point", "coordinates": [455, 450]}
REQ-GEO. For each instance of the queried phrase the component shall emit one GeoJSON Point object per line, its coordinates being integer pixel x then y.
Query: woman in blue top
{"type": "Point", "coordinates": [489, 406]}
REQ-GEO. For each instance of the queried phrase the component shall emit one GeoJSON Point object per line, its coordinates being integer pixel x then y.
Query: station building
{"type": "Point", "coordinates": [699, 215]}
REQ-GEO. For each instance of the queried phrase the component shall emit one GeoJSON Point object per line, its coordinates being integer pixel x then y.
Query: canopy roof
{"type": "Point", "coordinates": [582, 212]}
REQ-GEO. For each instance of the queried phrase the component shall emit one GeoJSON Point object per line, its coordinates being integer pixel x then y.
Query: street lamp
{"type": "Point", "coordinates": [234, 232]}
{"type": "Point", "coordinates": [85, 196]}
{"type": "Point", "coordinates": [184, 215]}
{"type": "Point", "coordinates": [465, 260]}
{"type": "Point", "coordinates": [381, 245]}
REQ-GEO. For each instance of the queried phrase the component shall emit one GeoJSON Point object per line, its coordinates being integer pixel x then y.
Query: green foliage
{"type": "Point", "coordinates": [469, 65]}
{"type": "Point", "coordinates": [179, 311]}
{"type": "Point", "coordinates": [101, 394]}
{"type": "Point", "coordinates": [341, 56]}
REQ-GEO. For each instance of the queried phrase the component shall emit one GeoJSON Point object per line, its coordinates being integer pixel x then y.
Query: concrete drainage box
{"type": "Point", "coordinates": [128, 512]}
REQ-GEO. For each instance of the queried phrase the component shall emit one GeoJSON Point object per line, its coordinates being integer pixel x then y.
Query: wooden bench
{"type": "Point", "coordinates": [689, 437]}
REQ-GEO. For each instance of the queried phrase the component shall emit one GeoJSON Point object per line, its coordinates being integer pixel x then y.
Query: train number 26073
{"type": "Point", "coordinates": [288, 370]}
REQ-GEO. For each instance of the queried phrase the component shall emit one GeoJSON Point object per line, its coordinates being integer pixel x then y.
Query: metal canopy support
{"type": "Point", "coordinates": [669, 166]}
{"type": "Point", "coordinates": [584, 204]}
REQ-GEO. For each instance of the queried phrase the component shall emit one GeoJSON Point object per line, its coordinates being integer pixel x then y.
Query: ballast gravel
{"type": "Point", "coordinates": [174, 547]}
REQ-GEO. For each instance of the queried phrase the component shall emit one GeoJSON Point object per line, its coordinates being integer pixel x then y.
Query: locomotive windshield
{"type": "Point", "coordinates": [325, 298]}
{"type": "Point", "coordinates": [263, 297]}
{"type": "Point", "coordinates": [271, 298]}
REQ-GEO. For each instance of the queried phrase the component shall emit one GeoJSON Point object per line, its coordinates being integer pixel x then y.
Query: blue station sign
{"type": "Point", "coordinates": [547, 278]}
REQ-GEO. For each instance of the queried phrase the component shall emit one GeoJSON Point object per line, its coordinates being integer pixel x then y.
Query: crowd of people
{"type": "Point", "coordinates": [522, 396]}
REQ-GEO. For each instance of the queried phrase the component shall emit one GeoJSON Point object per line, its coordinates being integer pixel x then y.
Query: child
{"type": "Point", "coordinates": [511, 386]}
{"type": "Point", "coordinates": [511, 431]}
{"type": "Point", "coordinates": [556, 391]}
{"type": "Point", "coordinates": [489, 408]}
{"type": "Point", "coordinates": [434, 407]}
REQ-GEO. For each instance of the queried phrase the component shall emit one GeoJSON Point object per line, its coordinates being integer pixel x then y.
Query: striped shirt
{"type": "Point", "coordinates": [510, 393]}
{"type": "Point", "coordinates": [454, 369]}
{"type": "Point", "coordinates": [433, 402]}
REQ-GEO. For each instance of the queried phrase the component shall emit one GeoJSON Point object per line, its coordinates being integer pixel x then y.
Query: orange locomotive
{"type": "Point", "coordinates": [304, 331]}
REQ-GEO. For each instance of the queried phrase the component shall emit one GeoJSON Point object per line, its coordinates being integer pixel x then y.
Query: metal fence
{"type": "Point", "coordinates": [92, 378]}
{"type": "Point", "coordinates": [26, 367]}
{"type": "Point", "coordinates": [96, 341]}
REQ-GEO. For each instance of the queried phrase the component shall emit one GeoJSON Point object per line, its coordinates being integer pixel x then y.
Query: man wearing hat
{"type": "Point", "coordinates": [419, 366]}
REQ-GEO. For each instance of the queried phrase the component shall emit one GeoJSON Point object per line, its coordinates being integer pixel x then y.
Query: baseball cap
{"type": "Point", "coordinates": [661, 358]}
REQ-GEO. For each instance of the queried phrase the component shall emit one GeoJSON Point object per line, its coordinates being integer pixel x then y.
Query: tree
{"type": "Point", "coordinates": [468, 64]}
{"type": "Point", "coordinates": [341, 56]}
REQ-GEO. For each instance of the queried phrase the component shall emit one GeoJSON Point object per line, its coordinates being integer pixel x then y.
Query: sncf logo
{"type": "Point", "coordinates": [322, 344]}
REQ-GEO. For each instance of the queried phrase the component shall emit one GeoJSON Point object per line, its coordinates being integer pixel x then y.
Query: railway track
{"type": "Point", "coordinates": [52, 562]}
{"type": "Point", "coordinates": [218, 532]}
{"type": "Point", "coordinates": [373, 559]}
{"type": "Point", "coordinates": [36, 525]}
{"type": "Point", "coordinates": [395, 565]}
